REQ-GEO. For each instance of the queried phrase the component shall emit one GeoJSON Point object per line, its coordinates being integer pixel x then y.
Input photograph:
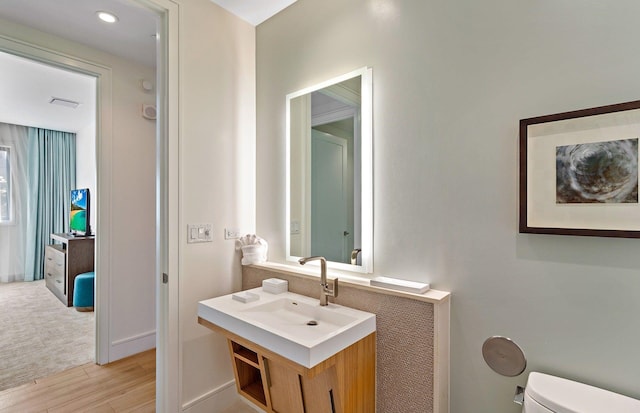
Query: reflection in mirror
{"type": "Point", "coordinates": [329, 173]}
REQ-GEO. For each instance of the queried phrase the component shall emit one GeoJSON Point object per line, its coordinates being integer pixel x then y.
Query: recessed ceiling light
{"type": "Point", "coordinates": [107, 17]}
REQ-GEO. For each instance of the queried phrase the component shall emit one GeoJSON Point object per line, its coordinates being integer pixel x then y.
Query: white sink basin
{"type": "Point", "coordinates": [291, 325]}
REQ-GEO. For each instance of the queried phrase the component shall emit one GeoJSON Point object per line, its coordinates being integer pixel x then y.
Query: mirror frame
{"type": "Point", "coordinates": [366, 130]}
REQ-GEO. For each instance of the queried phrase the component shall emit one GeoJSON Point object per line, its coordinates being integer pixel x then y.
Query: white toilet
{"type": "Point", "coordinates": [545, 393]}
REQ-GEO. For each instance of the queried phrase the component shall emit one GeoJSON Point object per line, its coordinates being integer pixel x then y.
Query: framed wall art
{"type": "Point", "coordinates": [579, 172]}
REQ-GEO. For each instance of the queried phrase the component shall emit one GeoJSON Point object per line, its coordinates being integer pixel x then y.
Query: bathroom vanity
{"type": "Point", "coordinates": [412, 335]}
{"type": "Point", "coordinates": [290, 355]}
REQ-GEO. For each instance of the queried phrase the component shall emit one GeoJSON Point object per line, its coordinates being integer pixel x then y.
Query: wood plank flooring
{"type": "Point", "coordinates": [127, 385]}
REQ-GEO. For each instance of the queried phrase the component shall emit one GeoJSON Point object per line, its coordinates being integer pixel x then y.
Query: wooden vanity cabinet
{"type": "Point", "coordinates": [344, 383]}
{"type": "Point", "coordinates": [248, 369]}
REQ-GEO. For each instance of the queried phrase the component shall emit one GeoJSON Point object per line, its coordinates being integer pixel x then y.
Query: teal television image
{"type": "Point", "coordinates": [79, 214]}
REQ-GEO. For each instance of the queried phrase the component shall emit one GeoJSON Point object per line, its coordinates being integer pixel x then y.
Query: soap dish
{"type": "Point", "coordinates": [400, 285]}
{"type": "Point", "coordinates": [275, 286]}
{"type": "Point", "coordinates": [245, 297]}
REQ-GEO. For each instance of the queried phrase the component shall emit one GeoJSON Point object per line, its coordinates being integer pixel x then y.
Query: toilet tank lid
{"type": "Point", "coordinates": [566, 396]}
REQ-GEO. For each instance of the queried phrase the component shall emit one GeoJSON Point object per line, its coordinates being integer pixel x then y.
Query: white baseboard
{"type": "Point", "coordinates": [132, 345]}
{"type": "Point", "coordinates": [213, 401]}
{"type": "Point", "coordinates": [251, 405]}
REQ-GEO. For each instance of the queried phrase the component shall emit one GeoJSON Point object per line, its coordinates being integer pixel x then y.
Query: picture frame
{"type": "Point", "coordinates": [579, 172]}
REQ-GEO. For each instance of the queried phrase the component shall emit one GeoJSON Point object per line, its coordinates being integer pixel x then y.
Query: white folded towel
{"type": "Point", "coordinates": [254, 249]}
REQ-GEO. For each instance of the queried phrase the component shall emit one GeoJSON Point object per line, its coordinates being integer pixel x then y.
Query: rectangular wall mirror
{"type": "Point", "coordinates": [330, 172]}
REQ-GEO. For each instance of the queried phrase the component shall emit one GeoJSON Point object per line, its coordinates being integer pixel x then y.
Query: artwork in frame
{"type": "Point", "coordinates": [598, 172]}
{"type": "Point", "coordinates": [579, 172]}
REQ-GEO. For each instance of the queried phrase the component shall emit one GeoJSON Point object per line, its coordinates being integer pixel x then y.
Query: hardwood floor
{"type": "Point", "coordinates": [127, 385]}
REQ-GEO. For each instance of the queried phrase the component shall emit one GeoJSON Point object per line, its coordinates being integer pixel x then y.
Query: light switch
{"type": "Point", "coordinates": [199, 233]}
{"type": "Point", "coordinates": [231, 233]}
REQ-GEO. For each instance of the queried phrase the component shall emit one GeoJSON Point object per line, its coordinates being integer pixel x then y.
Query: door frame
{"type": "Point", "coordinates": [168, 205]}
{"type": "Point", "coordinates": [103, 145]}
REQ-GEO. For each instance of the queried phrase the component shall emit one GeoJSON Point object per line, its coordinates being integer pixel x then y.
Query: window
{"type": "Point", "coordinates": [5, 184]}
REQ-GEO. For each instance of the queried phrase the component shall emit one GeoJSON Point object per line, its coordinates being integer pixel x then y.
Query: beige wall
{"type": "Point", "coordinates": [217, 181]}
{"type": "Point", "coordinates": [451, 80]}
{"type": "Point", "coordinates": [133, 184]}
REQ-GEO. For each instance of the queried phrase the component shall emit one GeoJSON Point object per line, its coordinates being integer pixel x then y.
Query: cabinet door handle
{"type": "Point", "coordinates": [265, 362]}
{"type": "Point", "coordinates": [333, 404]}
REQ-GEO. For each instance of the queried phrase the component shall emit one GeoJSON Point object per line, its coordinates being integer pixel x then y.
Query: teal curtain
{"type": "Point", "coordinates": [51, 174]}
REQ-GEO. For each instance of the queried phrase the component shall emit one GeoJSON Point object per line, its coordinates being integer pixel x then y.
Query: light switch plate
{"type": "Point", "coordinates": [199, 233]}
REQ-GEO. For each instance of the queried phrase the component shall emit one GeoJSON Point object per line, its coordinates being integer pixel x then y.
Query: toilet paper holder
{"type": "Point", "coordinates": [518, 398]}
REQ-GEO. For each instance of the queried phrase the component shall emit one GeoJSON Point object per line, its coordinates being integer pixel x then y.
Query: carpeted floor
{"type": "Point", "coordinates": [40, 335]}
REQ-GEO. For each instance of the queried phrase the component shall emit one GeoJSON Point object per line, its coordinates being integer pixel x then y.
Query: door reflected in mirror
{"type": "Point", "coordinates": [329, 172]}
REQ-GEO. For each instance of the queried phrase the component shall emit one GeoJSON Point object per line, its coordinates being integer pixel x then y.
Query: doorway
{"type": "Point", "coordinates": [165, 251]}
{"type": "Point", "coordinates": [331, 197]}
{"type": "Point", "coordinates": [36, 319]}
{"type": "Point", "coordinates": [113, 120]}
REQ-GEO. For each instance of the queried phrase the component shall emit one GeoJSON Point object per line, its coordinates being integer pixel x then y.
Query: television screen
{"type": "Point", "coordinates": [79, 217]}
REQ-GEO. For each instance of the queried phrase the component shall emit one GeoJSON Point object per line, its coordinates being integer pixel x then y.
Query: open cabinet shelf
{"type": "Point", "coordinates": [248, 374]}
{"type": "Point", "coordinates": [343, 383]}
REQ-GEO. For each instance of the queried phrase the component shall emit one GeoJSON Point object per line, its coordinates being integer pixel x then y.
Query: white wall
{"type": "Point", "coordinates": [217, 181]}
{"type": "Point", "coordinates": [86, 166]}
{"type": "Point", "coordinates": [451, 80]}
{"type": "Point", "coordinates": [132, 288]}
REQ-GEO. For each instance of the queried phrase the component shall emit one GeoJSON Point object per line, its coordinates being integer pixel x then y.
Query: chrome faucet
{"type": "Point", "coordinates": [354, 256]}
{"type": "Point", "coordinates": [325, 291]}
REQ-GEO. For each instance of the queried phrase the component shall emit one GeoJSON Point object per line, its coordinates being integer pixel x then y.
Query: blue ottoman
{"type": "Point", "coordinates": [83, 291]}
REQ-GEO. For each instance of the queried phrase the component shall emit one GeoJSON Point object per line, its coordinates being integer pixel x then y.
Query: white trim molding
{"type": "Point", "coordinates": [213, 401]}
{"type": "Point", "coordinates": [441, 355]}
{"type": "Point", "coordinates": [132, 345]}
